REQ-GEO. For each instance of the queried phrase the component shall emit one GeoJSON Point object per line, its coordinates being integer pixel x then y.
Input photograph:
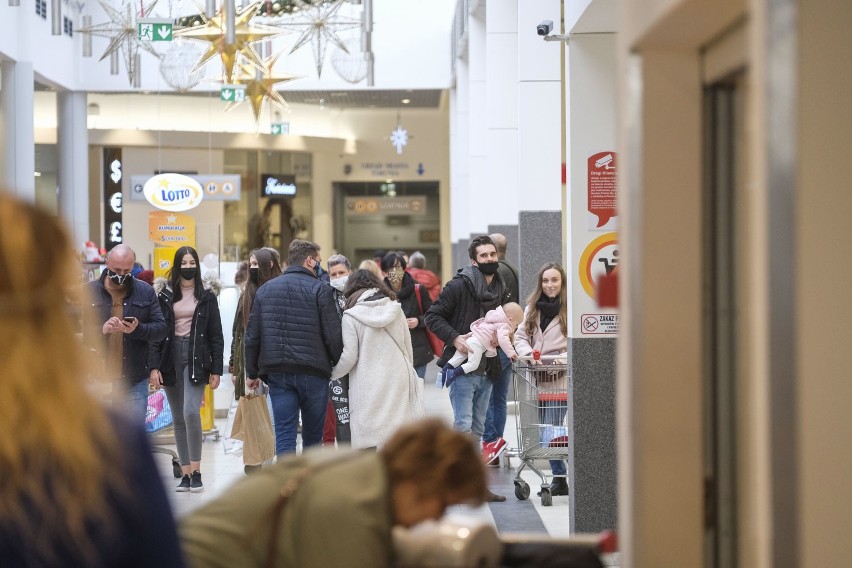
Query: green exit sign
{"type": "Point", "coordinates": [280, 128]}
{"type": "Point", "coordinates": [232, 93]}
{"type": "Point", "coordinates": [155, 29]}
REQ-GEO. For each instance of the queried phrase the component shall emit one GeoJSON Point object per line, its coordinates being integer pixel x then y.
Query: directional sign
{"type": "Point", "coordinates": [155, 29]}
{"type": "Point", "coordinates": [233, 93]}
{"type": "Point", "coordinates": [280, 128]}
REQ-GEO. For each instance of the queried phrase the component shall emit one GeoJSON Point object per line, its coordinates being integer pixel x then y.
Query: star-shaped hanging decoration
{"type": "Point", "coordinates": [320, 24]}
{"type": "Point", "coordinates": [214, 31]}
{"type": "Point", "coordinates": [260, 86]}
{"type": "Point", "coordinates": [122, 31]}
{"type": "Point", "coordinates": [399, 138]}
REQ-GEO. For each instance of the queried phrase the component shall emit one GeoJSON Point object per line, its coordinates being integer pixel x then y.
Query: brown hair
{"type": "Point", "coordinates": [438, 459]}
{"type": "Point", "coordinates": [268, 268]}
{"type": "Point", "coordinates": [300, 250]}
{"type": "Point", "coordinates": [533, 317]}
{"type": "Point", "coordinates": [478, 242]}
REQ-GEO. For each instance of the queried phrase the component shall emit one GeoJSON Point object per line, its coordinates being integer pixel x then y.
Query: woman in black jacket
{"type": "Point", "coordinates": [414, 305]}
{"type": "Point", "coordinates": [188, 358]}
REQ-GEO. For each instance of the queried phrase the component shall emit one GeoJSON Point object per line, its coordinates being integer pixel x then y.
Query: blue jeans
{"type": "Point", "coordinates": [495, 419]}
{"type": "Point", "coordinates": [421, 371]}
{"type": "Point", "coordinates": [290, 393]}
{"type": "Point", "coordinates": [469, 396]}
{"type": "Point", "coordinates": [137, 401]}
{"type": "Point", "coordinates": [553, 412]}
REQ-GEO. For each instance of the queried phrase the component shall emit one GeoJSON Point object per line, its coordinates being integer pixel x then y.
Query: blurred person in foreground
{"type": "Point", "coordinates": [78, 485]}
{"type": "Point", "coordinates": [417, 269]}
{"type": "Point", "coordinates": [281, 516]}
{"type": "Point", "coordinates": [384, 391]}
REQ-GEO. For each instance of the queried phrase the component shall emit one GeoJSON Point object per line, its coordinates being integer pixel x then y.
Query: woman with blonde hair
{"type": "Point", "coordinates": [78, 486]}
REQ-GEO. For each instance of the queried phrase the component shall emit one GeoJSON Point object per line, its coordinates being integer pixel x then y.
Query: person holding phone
{"type": "Point", "coordinates": [120, 319]}
{"type": "Point", "coordinates": [188, 358]}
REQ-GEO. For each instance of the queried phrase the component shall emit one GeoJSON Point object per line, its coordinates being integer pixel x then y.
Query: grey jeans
{"type": "Point", "coordinates": [185, 401]}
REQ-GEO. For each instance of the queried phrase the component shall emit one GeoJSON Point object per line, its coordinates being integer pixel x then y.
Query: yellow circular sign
{"type": "Point", "coordinates": [599, 257]}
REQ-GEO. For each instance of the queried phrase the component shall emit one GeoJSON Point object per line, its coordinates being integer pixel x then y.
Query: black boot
{"type": "Point", "coordinates": [559, 486]}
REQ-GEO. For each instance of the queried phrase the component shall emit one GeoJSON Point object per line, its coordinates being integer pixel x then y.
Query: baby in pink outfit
{"type": "Point", "coordinates": [496, 328]}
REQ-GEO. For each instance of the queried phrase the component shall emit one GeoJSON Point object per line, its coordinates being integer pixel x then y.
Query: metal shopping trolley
{"type": "Point", "coordinates": [541, 393]}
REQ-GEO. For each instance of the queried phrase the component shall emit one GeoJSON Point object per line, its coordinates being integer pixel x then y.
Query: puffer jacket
{"type": "Point", "coordinates": [207, 342]}
{"type": "Point", "coordinates": [141, 303]}
{"type": "Point", "coordinates": [293, 327]}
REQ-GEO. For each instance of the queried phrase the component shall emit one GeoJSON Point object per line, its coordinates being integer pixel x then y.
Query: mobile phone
{"type": "Point", "coordinates": [129, 319]}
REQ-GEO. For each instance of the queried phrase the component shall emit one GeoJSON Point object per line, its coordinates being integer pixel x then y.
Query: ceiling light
{"type": "Point", "coordinates": [37, 174]}
{"type": "Point", "coordinates": [406, 101]}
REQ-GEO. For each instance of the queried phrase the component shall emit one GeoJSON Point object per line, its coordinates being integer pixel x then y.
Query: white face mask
{"type": "Point", "coordinates": [339, 283]}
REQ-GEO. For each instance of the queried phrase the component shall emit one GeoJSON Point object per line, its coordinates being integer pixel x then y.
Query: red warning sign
{"type": "Point", "coordinates": [601, 186]}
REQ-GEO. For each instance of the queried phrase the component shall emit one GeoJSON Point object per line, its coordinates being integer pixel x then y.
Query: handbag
{"type": "Point", "coordinates": [253, 425]}
{"type": "Point", "coordinates": [435, 342]}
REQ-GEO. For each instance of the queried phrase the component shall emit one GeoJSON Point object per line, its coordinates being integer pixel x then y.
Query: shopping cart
{"type": "Point", "coordinates": [160, 427]}
{"type": "Point", "coordinates": [541, 395]}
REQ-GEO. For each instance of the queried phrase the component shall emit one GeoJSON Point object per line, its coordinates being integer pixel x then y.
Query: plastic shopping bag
{"type": "Point", "coordinates": [232, 446]}
{"type": "Point", "coordinates": [339, 394]}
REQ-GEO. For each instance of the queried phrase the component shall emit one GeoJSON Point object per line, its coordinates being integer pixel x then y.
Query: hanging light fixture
{"type": "Point", "coordinates": [56, 17]}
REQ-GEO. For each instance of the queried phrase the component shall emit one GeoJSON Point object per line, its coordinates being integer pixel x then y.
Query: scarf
{"type": "Point", "coordinates": [548, 308]}
{"type": "Point", "coordinates": [406, 290]}
{"type": "Point", "coordinates": [365, 293]}
{"type": "Point", "coordinates": [489, 296]}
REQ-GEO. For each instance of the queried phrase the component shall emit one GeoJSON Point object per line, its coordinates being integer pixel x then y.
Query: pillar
{"type": "Point", "coordinates": [18, 136]}
{"type": "Point", "coordinates": [73, 147]}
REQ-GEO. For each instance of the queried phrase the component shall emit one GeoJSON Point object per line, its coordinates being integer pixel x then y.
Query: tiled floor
{"type": "Point", "coordinates": [219, 471]}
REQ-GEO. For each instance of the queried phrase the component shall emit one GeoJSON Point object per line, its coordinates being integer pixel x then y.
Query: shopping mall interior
{"type": "Point", "coordinates": [689, 153]}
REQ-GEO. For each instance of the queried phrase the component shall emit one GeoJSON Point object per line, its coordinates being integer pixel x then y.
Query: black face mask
{"type": "Point", "coordinates": [188, 273]}
{"type": "Point", "coordinates": [118, 279]}
{"type": "Point", "coordinates": [488, 268]}
{"type": "Point", "coordinates": [317, 268]}
{"type": "Point", "coordinates": [254, 274]}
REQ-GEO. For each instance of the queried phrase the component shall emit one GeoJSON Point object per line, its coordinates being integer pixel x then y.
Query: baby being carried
{"type": "Point", "coordinates": [497, 328]}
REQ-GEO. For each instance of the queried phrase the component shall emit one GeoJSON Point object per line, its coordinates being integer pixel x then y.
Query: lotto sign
{"type": "Point", "coordinates": [173, 192]}
{"type": "Point", "coordinates": [172, 229]}
{"type": "Point", "coordinates": [599, 324]}
{"type": "Point", "coordinates": [599, 257]}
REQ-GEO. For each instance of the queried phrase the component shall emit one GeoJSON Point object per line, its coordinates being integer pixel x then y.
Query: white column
{"type": "Point", "coordinates": [476, 208]}
{"type": "Point", "coordinates": [322, 202]}
{"type": "Point", "coordinates": [501, 108]}
{"type": "Point", "coordinates": [539, 90]}
{"type": "Point", "coordinates": [459, 154]}
{"type": "Point", "coordinates": [18, 137]}
{"type": "Point", "coordinates": [73, 146]}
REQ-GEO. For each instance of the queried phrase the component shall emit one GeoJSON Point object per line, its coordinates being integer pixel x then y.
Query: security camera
{"type": "Point", "coordinates": [544, 28]}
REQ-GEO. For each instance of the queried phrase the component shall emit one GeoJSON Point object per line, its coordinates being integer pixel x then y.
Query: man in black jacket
{"type": "Point", "coordinates": [123, 317]}
{"type": "Point", "coordinates": [474, 290]}
{"type": "Point", "coordinates": [293, 340]}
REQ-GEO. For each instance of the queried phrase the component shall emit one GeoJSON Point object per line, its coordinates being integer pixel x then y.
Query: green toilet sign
{"type": "Point", "coordinates": [153, 29]}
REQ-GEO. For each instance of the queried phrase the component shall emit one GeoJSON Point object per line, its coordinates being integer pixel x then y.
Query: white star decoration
{"type": "Point", "coordinates": [122, 31]}
{"type": "Point", "coordinates": [399, 138]}
{"type": "Point", "coordinates": [320, 24]}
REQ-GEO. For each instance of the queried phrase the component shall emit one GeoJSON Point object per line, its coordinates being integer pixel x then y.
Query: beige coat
{"type": "Point", "coordinates": [340, 515]}
{"type": "Point", "coordinates": [550, 342]}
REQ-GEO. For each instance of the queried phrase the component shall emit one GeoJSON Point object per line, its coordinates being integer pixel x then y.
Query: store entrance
{"type": "Point", "coordinates": [388, 215]}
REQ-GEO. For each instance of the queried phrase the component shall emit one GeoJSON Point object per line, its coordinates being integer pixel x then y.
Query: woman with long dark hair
{"type": "Point", "coordinates": [545, 329]}
{"type": "Point", "coordinates": [188, 358]}
{"type": "Point", "coordinates": [384, 391]}
{"type": "Point", "coordinates": [415, 300]}
{"type": "Point", "coordinates": [264, 265]}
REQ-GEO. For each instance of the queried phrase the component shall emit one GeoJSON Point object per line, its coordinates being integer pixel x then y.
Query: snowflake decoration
{"type": "Point", "coordinates": [399, 138]}
{"type": "Point", "coordinates": [319, 23]}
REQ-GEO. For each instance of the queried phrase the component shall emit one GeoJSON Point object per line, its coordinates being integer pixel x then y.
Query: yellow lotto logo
{"type": "Point", "coordinates": [173, 192]}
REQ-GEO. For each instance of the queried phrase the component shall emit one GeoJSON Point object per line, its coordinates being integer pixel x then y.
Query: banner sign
{"type": "Point", "coordinates": [171, 229]}
{"type": "Point", "coordinates": [410, 204]}
{"type": "Point", "coordinates": [113, 227]}
{"type": "Point", "coordinates": [217, 187]}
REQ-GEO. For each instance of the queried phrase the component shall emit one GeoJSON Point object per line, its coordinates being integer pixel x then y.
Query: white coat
{"type": "Point", "coordinates": [384, 390]}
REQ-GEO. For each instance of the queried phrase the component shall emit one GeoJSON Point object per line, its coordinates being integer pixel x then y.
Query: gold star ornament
{"type": "Point", "coordinates": [214, 31]}
{"type": "Point", "coordinates": [260, 86]}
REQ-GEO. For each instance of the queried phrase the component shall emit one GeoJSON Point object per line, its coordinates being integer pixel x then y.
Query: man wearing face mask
{"type": "Point", "coordinates": [294, 338]}
{"type": "Point", "coordinates": [474, 290]}
{"type": "Point", "coordinates": [123, 317]}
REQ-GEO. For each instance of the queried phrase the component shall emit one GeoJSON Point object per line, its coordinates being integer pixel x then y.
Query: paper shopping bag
{"type": "Point", "coordinates": [255, 429]}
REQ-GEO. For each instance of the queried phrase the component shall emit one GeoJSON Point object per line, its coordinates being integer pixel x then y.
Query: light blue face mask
{"type": "Point", "coordinates": [339, 283]}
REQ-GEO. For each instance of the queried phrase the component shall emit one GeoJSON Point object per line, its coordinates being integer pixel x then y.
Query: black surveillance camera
{"type": "Point", "coordinates": [544, 28]}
